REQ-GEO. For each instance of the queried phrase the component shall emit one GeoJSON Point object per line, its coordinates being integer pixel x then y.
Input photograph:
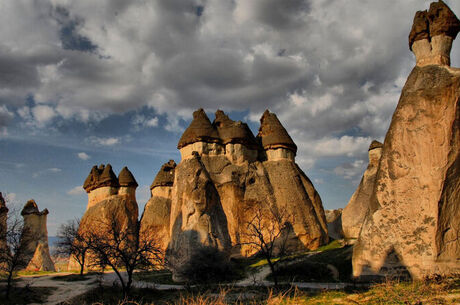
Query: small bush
{"type": "Point", "coordinates": [208, 266]}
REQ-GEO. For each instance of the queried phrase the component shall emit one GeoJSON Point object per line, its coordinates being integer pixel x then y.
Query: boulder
{"type": "Point", "coordinates": [413, 219]}
{"type": "Point", "coordinates": [355, 211]}
{"type": "Point", "coordinates": [35, 237]}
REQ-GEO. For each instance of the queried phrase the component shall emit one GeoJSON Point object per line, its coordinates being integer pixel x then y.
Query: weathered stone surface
{"type": "Point", "coordinates": [37, 253]}
{"type": "Point", "coordinates": [414, 211]}
{"type": "Point", "coordinates": [273, 135]}
{"type": "Point", "coordinates": [200, 130]}
{"type": "Point", "coordinates": [165, 176]}
{"type": "Point", "coordinates": [197, 218]}
{"type": "Point", "coordinates": [238, 182]}
{"type": "Point", "coordinates": [432, 35]}
{"type": "Point", "coordinates": [354, 213]}
{"type": "Point", "coordinates": [334, 223]}
{"type": "Point", "coordinates": [233, 132]}
{"type": "Point", "coordinates": [156, 216]}
{"type": "Point", "coordinates": [126, 178]}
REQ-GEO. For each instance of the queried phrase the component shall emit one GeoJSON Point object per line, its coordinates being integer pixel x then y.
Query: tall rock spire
{"type": "Point", "coordinates": [199, 130]}
{"type": "Point", "coordinates": [272, 133]}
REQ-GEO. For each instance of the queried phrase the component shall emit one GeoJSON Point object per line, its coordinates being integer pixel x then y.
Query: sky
{"type": "Point", "coordinates": [113, 81]}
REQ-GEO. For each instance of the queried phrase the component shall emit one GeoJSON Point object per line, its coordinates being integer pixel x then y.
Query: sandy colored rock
{"type": "Point", "coordinates": [414, 211]}
{"type": "Point", "coordinates": [156, 216]}
{"type": "Point", "coordinates": [442, 20]}
{"type": "Point", "coordinates": [126, 178]}
{"type": "Point", "coordinates": [273, 135]}
{"type": "Point", "coordinates": [200, 130]}
{"type": "Point", "coordinates": [233, 132]}
{"type": "Point", "coordinates": [197, 218]}
{"type": "Point", "coordinates": [334, 223]}
{"type": "Point", "coordinates": [354, 213]}
{"type": "Point", "coordinates": [35, 230]}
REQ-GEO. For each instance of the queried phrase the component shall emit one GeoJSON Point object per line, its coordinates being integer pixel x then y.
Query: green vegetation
{"type": "Point", "coordinates": [155, 276]}
{"type": "Point", "coordinates": [28, 273]}
{"type": "Point", "coordinates": [71, 277]}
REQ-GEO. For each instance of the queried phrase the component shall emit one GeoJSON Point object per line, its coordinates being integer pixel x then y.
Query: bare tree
{"type": "Point", "coordinates": [72, 243]}
{"type": "Point", "coordinates": [16, 254]}
{"type": "Point", "coordinates": [267, 232]}
{"type": "Point", "coordinates": [115, 245]}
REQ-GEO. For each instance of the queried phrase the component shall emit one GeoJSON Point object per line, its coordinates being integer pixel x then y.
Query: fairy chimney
{"type": "Point", "coordinates": [275, 139]}
{"type": "Point", "coordinates": [432, 34]}
{"type": "Point", "coordinates": [100, 184]}
{"type": "Point", "coordinates": [127, 183]}
{"type": "Point", "coordinates": [200, 136]}
{"type": "Point", "coordinates": [35, 235]}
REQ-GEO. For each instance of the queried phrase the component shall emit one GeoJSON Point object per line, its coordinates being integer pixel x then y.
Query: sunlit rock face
{"type": "Point", "coordinates": [334, 223]}
{"type": "Point", "coordinates": [157, 211]}
{"type": "Point", "coordinates": [413, 219]}
{"type": "Point", "coordinates": [225, 174]}
{"type": "Point", "coordinates": [109, 197]}
{"type": "Point", "coordinates": [354, 213]}
{"type": "Point", "coordinates": [36, 238]}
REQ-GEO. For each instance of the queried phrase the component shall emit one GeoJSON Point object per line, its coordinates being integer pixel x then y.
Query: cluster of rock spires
{"type": "Point", "coordinates": [206, 199]}
{"type": "Point", "coordinates": [404, 215]}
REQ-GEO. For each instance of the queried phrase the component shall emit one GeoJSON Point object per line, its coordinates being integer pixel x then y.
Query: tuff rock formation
{"type": "Point", "coordinates": [157, 211]}
{"type": "Point", "coordinates": [432, 34]}
{"type": "Point", "coordinates": [109, 198]}
{"type": "Point", "coordinates": [355, 211]}
{"type": "Point", "coordinates": [226, 173]}
{"type": "Point", "coordinates": [35, 235]}
{"type": "Point", "coordinates": [413, 221]}
{"type": "Point", "coordinates": [334, 223]}
{"type": "Point", "coordinates": [3, 225]}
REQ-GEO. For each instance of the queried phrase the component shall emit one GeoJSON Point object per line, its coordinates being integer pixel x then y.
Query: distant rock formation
{"type": "Point", "coordinates": [157, 211]}
{"type": "Point", "coordinates": [35, 235]}
{"type": "Point", "coordinates": [3, 223]}
{"type": "Point", "coordinates": [109, 197]}
{"type": "Point", "coordinates": [413, 222]}
{"type": "Point", "coordinates": [334, 223]}
{"type": "Point", "coordinates": [224, 173]}
{"type": "Point", "coordinates": [356, 209]}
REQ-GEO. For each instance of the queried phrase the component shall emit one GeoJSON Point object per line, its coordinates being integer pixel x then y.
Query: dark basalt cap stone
{"type": "Point", "coordinates": [420, 28]}
{"type": "Point", "coordinates": [108, 177]}
{"type": "Point", "coordinates": [92, 180]}
{"type": "Point", "coordinates": [375, 144]}
{"type": "Point", "coordinates": [165, 176]}
{"type": "Point", "coordinates": [31, 208]}
{"type": "Point", "coordinates": [442, 20]}
{"type": "Point", "coordinates": [200, 130]}
{"type": "Point", "coordinates": [126, 178]}
{"type": "Point", "coordinates": [233, 132]}
{"type": "Point", "coordinates": [272, 134]}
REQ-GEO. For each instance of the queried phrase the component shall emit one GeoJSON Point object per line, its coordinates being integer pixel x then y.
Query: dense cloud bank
{"type": "Point", "coordinates": [331, 70]}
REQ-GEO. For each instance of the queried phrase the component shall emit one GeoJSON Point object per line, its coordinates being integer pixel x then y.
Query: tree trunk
{"type": "Point", "coordinates": [82, 265]}
{"type": "Point", "coordinates": [272, 268]}
{"type": "Point", "coordinates": [8, 285]}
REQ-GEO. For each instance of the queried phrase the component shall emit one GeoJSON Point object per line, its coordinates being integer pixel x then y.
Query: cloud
{"type": "Point", "coordinates": [52, 170]}
{"type": "Point", "coordinates": [10, 198]}
{"type": "Point", "coordinates": [83, 156]}
{"type": "Point", "coordinates": [78, 190]}
{"type": "Point", "coordinates": [140, 121]}
{"type": "Point", "coordinates": [350, 170]}
{"type": "Point", "coordinates": [110, 141]}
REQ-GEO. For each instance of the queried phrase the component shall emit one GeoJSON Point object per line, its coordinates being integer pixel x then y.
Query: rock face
{"type": "Point", "coordinates": [334, 223]}
{"type": "Point", "coordinates": [354, 213]}
{"type": "Point", "coordinates": [225, 173]}
{"type": "Point", "coordinates": [109, 198]}
{"type": "Point", "coordinates": [413, 220]}
{"type": "Point", "coordinates": [3, 225]}
{"type": "Point", "coordinates": [432, 34]}
{"type": "Point", "coordinates": [157, 211]}
{"type": "Point", "coordinates": [35, 235]}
